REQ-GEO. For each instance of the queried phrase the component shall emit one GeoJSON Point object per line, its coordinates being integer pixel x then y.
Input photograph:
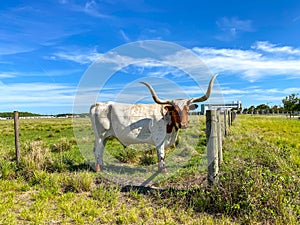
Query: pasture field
{"type": "Point", "coordinates": [258, 184]}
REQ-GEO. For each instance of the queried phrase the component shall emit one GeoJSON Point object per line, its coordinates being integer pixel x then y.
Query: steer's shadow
{"type": "Point", "coordinates": [123, 169]}
{"type": "Point", "coordinates": [79, 167]}
{"type": "Point", "coordinates": [126, 175]}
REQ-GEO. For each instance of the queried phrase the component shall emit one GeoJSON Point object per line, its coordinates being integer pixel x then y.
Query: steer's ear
{"type": "Point", "coordinates": [169, 108]}
{"type": "Point", "coordinates": [193, 106]}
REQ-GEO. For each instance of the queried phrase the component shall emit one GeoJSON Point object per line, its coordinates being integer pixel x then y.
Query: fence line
{"type": "Point", "coordinates": [214, 136]}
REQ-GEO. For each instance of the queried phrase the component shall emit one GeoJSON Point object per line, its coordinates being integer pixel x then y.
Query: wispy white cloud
{"type": "Point", "coordinates": [42, 72]}
{"type": "Point", "coordinates": [7, 75]}
{"type": "Point", "coordinates": [259, 91]}
{"type": "Point", "coordinates": [89, 7]}
{"type": "Point", "coordinates": [14, 48]}
{"type": "Point", "coordinates": [272, 48]}
{"type": "Point", "coordinates": [124, 35]}
{"type": "Point", "coordinates": [296, 19]}
{"type": "Point", "coordinates": [27, 28]}
{"type": "Point", "coordinates": [226, 23]}
{"type": "Point", "coordinates": [63, 1]}
{"type": "Point", "coordinates": [35, 95]}
{"type": "Point", "coordinates": [86, 56]}
{"type": "Point", "coordinates": [292, 90]}
{"type": "Point", "coordinates": [92, 8]}
{"type": "Point", "coordinates": [154, 33]}
{"type": "Point", "coordinates": [38, 87]}
{"type": "Point", "coordinates": [253, 64]}
{"type": "Point", "coordinates": [256, 94]}
{"type": "Point", "coordinates": [232, 27]}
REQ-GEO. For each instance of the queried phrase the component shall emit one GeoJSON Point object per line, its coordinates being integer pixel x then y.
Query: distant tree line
{"type": "Point", "coordinates": [21, 114]}
{"type": "Point", "coordinates": [262, 109]}
{"type": "Point", "coordinates": [291, 105]}
{"type": "Point", "coordinates": [29, 114]}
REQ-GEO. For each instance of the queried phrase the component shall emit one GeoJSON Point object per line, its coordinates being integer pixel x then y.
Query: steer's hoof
{"type": "Point", "coordinates": [164, 170]}
{"type": "Point", "coordinates": [97, 168]}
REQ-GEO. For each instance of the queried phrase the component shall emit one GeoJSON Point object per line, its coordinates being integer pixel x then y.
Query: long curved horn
{"type": "Point", "coordinates": [206, 96]}
{"type": "Point", "coordinates": [154, 96]}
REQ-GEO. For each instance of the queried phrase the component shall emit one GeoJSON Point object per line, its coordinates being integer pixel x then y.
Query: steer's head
{"type": "Point", "coordinates": [178, 109]}
{"type": "Point", "coordinates": [178, 112]}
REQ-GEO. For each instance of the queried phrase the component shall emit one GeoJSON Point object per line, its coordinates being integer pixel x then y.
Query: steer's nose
{"type": "Point", "coordinates": [184, 126]}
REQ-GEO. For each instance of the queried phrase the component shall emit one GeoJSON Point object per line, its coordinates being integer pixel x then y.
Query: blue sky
{"type": "Point", "coordinates": [47, 46]}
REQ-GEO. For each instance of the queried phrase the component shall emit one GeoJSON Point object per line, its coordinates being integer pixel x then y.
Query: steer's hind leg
{"type": "Point", "coordinates": [161, 158]}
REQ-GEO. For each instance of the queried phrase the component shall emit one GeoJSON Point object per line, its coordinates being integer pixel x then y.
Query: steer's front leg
{"type": "Point", "coordinates": [98, 152]}
{"type": "Point", "coordinates": [161, 158]}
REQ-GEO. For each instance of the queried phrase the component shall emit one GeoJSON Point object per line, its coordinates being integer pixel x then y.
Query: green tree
{"type": "Point", "coordinates": [262, 108]}
{"type": "Point", "coordinates": [251, 109]}
{"type": "Point", "coordinates": [245, 111]}
{"type": "Point", "coordinates": [277, 109]}
{"type": "Point", "coordinates": [291, 103]}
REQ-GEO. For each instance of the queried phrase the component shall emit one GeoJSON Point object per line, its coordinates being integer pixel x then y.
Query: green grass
{"type": "Point", "coordinates": [261, 172]}
{"type": "Point", "coordinates": [258, 184]}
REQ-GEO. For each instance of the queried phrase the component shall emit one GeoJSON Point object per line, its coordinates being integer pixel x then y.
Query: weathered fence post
{"type": "Point", "coordinates": [219, 131]}
{"type": "Point", "coordinates": [233, 116]}
{"type": "Point", "coordinates": [17, 134]}
{"type": "Point", "coordinates": [212, 146]}
{"type": "Point", "coordinates": [225, 122]}
{"type": "Point", "coordinates": [229, 118]}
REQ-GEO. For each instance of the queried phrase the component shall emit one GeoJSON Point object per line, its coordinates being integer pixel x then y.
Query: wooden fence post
{"type": "Point", "coordinates": [225, 122]}
{"type": "Point", "coordinates": [17, 134]}
{"type": "Point", "coordinates": [212, 146]}
{"type": "Point", "coordinates": [234, 115]}
{"type": "Point", "coordinates": [229, 118]}
{"type": "Point", "coordinates": [220, 137]}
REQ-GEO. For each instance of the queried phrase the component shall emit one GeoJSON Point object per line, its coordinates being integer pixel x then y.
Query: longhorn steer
{"type": "Point", "coordinates": [155, 124]}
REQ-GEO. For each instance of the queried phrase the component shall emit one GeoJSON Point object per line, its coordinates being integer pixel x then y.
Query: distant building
{"type": "Point", "coordinates": [222, 107]}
